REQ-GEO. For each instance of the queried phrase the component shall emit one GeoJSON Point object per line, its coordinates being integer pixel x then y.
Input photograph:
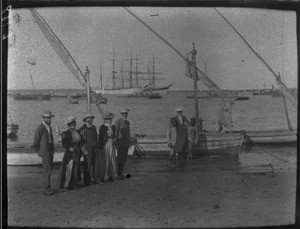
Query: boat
{"type": "Point", "coordinates": [33, 96]}
{"type": "Point", "coordinates": [20, 97]}
{"type": "Point", "coordinates": [154, 96]}
{"type": "Point", "coordinates": [12, 130]}
{"type": "Point", "coordinates": [242, 98]}
{"type": "Point", "coordinates": [271, 136]}
{"type": "Point", "coordinates": [73, 100]}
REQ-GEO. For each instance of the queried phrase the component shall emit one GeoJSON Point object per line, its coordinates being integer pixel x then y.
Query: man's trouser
{"type": "Point", "coordinates": [122, 156]}
{"type": "Point", "coordinates": [47, 161]}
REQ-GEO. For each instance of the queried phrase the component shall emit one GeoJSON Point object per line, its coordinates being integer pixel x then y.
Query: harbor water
{"type": "Point", "coordinates": [151, 116]}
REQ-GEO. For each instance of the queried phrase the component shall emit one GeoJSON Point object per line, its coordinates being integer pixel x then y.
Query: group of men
{"type": "Point", "coordinates": [183, 135]}
{"type": "Point", "coordinates": [43, 144]}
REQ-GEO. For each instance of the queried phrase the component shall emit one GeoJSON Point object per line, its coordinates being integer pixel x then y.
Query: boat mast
{"type": "Point", "coordinates": [87, 76]}
{"type": "Point", "coordinates": [136, 73]}
{"type": "Point", "coordinates": [114, 77]}
{"type": "Point", "coordinates": [32, 83]}
{"type": "Point", "coordinates": [194, 52]}
{"type": "Point", "coordinates": [101, 84]}
{"type": "Point", "coordinates": [130, 71]}
{"type": "Point", "coordinates": [122, 75]}
{"type": "Point", "coordinates": [153, 76]}
{"type": "Point", "coordinates": [286, 111]}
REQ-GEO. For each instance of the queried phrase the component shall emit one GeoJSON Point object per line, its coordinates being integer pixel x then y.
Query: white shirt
{"type": "Point", "coordinates": [48, 129]}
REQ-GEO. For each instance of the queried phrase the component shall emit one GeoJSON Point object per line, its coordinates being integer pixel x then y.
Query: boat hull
{"type": "Point", "coordinates": [272, 136]}
{"type": "Point", "coordinates": [32, 97]}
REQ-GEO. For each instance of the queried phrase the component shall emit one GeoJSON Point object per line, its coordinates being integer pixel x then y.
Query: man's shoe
{"type": "Point", "coordinates": [110, 179]}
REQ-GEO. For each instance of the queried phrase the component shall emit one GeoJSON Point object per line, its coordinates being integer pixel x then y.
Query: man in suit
{"type": "Point", "coordinates": [91, 160]}
{"type": "Point", "coordinates": [182, 134]}
{"type": "Point", "coordinates": [44, 146]}
{"type": "Point", "coordinates": [123, 140]}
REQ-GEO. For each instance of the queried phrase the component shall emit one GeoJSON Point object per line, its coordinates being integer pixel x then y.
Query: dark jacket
{"type": "Point", "coordinates": [90, 136]}
{"type": "Point", "coordinates": [41, 143]}
{"type": "Point", "coordinates": [123, 132]}
{"type": "Point", "coordinates": [103, 137]}
{"type": "Point", "coordinates": [67, 142]}
{"type": "Point", "coordinates": [184, 120]}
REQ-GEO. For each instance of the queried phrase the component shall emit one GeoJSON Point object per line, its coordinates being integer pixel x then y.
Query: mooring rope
{"type": "Point", "coordinates": [248, 139]}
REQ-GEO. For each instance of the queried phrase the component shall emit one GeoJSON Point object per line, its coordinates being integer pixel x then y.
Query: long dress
{"type": "Point", "coordinates": [69, 171]}
{"type": "Point", "coordinates": [110, 153]}
{"type": "Point", "coordinates": [108, 149]}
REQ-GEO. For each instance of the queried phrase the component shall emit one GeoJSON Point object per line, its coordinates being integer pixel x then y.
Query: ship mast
{"type": "Point", "coordinates": [114, 77]}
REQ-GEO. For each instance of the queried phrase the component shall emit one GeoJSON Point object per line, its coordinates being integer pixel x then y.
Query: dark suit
{"type": "Point", "coordinates": [45, 150]}
{"type": "Point", "coordinates": [91, 161]}
{"type": "Point", "coordinates": [123, 142]}
{"type": "Point", "coordinates": [182, 135]}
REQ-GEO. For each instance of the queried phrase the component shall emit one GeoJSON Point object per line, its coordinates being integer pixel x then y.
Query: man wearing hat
{"type": "Point", "coordinates": [44, 146]}
{"type": "Point", "coordinates": [123, 140]}
{"type": "Point", "coordinates": [89, 133]}
{"type": "Point", "coordinates": [182, 135]}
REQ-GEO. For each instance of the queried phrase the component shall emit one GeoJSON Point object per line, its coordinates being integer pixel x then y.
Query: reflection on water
{"type": "Point", "coordinates": [252, 159]}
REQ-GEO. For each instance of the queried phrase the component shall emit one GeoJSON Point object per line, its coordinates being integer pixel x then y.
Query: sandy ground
{"type": "Point", "coordinates": [206, 192]}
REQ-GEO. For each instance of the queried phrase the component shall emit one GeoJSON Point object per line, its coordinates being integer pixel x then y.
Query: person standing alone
{"type": "Point", "coordinates": [44, 146]}
{"type": "Point", "coordinates": [123, 140]}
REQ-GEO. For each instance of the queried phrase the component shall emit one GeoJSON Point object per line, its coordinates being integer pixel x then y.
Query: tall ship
{"type": "Point", "coordinates": [131, 90]}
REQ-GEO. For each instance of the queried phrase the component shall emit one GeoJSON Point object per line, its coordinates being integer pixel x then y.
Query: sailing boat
{"type": "Point", "coordinates": [270, 136]}
{"type": "Point", "coordinates": [35, 96]}
{"type": "Point", "coordinates": [212, 142]}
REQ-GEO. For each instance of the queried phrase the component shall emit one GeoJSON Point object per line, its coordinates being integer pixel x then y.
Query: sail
{"type": "Point", "coordinates": [63, 54]}
{"type": "Point", "coordinates": [58, 47]}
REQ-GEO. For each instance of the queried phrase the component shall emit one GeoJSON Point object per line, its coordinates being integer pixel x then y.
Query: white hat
{"type": "Point", "coordinates": [180, 108]}
{"type": "Point", "coordinates": [88, 115]}
{"type": "Point", "coordinates": [47, 114]}
{"type": "Point", "coordinates": [70, 120]}
{"type": "Point", "coordinates": [124, 110]}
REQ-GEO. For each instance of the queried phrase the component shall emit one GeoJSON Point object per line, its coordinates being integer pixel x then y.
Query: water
{"type": "Point", "coordinates": [152, 116]}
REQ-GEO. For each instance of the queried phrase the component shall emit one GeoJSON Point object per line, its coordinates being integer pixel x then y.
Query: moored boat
{"type": "Point", "coordinates": [271, 136]}
{"type": "Point", "coordinates": [242, 98]}
{"type": "Point", "coordinates": [154, 96]}
{"type": "Point", "coordinates": [19, 96]}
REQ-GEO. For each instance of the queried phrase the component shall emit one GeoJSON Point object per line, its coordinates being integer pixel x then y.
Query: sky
{"type": "Point", "coordinates": [92, 34]}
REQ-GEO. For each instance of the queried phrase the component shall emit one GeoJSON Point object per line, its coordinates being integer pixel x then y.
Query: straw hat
{"type": "Point", "coordinates": [47, 114]}
{"type": "Point", "coordinates": [124, 110]}
{"type": "Point", "coordinates": [88, 115]}
{"type": "Point", "coordinates": [109, 115]}
{"type": "Point", "coordinates": [70, 120]}
{"type": "Point", "coordinates": [180, 108]}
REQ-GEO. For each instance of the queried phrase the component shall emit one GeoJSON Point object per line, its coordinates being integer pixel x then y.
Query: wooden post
{"type": "Point", "coordinates": [194, 52]}
{"type": "Point", "coordinates": [87, 76]}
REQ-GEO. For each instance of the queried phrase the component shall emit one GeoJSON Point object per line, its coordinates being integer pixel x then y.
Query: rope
{"type": "Point", "coordinates": [248, 139]}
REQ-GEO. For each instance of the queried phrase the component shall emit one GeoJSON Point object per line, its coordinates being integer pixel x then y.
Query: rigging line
{"type": "Point", "coordinates": [248, 45]}
{"type": "Point", "coordinates": [46, 28]}
{"type": "Point", "coordinates": [213, 85]}
{"type": "Point", "coordinates": [247, 137]}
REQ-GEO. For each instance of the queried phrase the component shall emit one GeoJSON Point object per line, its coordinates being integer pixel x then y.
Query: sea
{"type": "Point", "coordinates": [151, 116]}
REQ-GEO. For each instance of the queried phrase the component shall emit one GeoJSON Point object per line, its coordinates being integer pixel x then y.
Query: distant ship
{"type": "Point", "coordinates": [33, 96]}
